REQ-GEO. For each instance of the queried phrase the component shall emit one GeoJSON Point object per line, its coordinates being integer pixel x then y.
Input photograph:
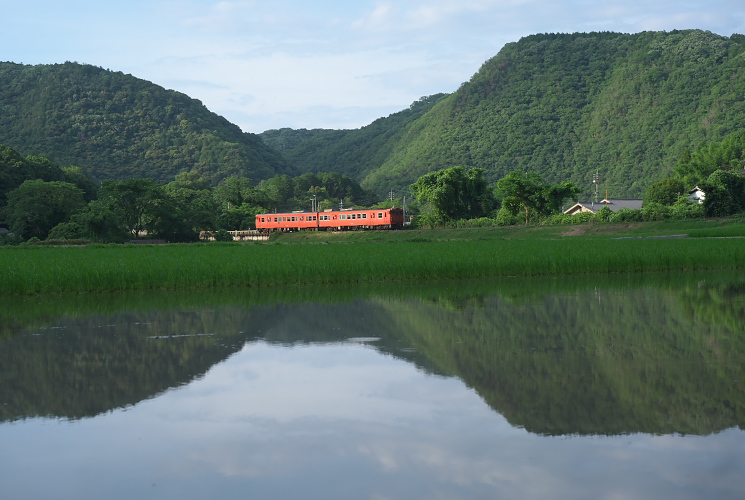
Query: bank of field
{"type": "Point", "coordinates": [84, 269]}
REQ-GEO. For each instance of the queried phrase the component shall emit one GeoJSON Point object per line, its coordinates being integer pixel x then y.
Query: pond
{"type": "Point", "coordinates": [626, 386]}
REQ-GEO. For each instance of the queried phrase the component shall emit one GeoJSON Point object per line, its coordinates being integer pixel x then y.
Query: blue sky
{"type": "Point", "coordinates": [323, 64]}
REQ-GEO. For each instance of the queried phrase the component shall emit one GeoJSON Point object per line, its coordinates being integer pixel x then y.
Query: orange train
{"type": "Point", "coordinates": [340, 220]}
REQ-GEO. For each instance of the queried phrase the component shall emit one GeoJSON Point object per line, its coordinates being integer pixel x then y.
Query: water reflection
{"type": "Point", "coordinates": [381, 395]}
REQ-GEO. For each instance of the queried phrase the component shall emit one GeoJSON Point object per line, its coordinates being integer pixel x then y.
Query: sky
{"type": "Point", "coordinates": [318, 64]}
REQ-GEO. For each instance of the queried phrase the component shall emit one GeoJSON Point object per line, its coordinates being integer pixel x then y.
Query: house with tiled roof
{"type": "Point", "coordinates": [613, 204]}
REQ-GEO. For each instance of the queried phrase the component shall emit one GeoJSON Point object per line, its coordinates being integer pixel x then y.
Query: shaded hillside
{"type": "Point", "coordinates": [356, 153]}
{"type": "Point", "coordinates": [14, 169]}
{"type": "Point", "coordinates": [117, 126]}
{"type": "Point", "coordinates": [563, 105]}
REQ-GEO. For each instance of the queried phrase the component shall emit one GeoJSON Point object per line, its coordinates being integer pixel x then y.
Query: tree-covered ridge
{"type": "Point", "coordinates": [117, 126]}
{"type": "Point", "coordinates": [565, 106]}
{"type": "Point", "coordinates": [15, 169]}
{"type": "Point", "coordinates": [356, 153]}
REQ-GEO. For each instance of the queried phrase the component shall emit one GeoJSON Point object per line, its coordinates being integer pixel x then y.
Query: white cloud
{"type": "Point", "coordinates": [321, 63]}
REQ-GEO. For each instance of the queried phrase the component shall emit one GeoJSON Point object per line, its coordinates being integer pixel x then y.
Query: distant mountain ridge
{"type": "Point", "coordinates": [117, 126]}
{"type": "Point", "coordinates": [563, 105]}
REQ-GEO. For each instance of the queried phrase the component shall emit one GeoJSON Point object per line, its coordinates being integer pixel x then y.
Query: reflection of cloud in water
{"type": "Point", "coordinates": [338, 407]}
{"type": "Point", "coordinates": [344, 421]}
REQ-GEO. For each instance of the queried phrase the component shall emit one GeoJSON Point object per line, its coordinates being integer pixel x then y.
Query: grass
{"type": "Point", "coordinates": [732, 226]}
{"type": "Point", "coordinates": [34, 270]}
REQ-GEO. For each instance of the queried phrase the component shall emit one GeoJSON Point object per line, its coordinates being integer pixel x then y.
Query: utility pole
{"type": "Point", "coordinates": [596, 181]}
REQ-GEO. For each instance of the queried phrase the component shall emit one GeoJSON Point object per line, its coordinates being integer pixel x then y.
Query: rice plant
{"type": "Point", "coordinates": [86, 269]}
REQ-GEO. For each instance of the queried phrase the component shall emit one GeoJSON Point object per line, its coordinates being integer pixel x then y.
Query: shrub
{"type": "Point", "coordinates": [223, 235]}
{"type": "Point", "coordinates": [604, 214]}
{"type": "Point", "coordinates": [66, 231]}
{"type": "Point", "coordinates": [8, 239]}
{"type": "Point", "coordinates": [626, 215]}
{"type": "Point", "coordinates": [504, 218]}
{"type": "Point", "coordinates": [664, 192]}
{"type": "Point", "coordinates": [655, 212]}
{"type": "Point", "coordinates": [685, 209]}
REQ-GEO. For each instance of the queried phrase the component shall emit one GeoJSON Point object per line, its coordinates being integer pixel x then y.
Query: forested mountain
{"type": "Point", "coordinates": [562, 105]}
{"type": "Point", "coordinates": [356, 153]}
{"type": "Point", "coordinates": [116, 126]}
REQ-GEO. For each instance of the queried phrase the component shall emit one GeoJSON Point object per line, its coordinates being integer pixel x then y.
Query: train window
{"type": "Point", "coordinates": [343, 216]}
{"type": "Point", "coordinates": [275, 219]}
{"type": "Point", "coordinates": [262, 219]}
{"type": "Point", "coordinates": [294, 219]}
{"type": "Point", "coordinates": [380, 215]}
{"type": "Point", "coordinates": [364, 216]}
{"type": "Point", "coordinates": [354, 216]}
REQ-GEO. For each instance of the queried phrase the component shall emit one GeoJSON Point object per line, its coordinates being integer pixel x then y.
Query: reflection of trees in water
{"type": "Point", "coordinates": [602, 362]}
{"type": "Point", "coordinates": [556, 357]}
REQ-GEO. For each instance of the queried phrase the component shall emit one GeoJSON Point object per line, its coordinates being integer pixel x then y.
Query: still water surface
{"type": "Point", "coordinates": [623, 387]}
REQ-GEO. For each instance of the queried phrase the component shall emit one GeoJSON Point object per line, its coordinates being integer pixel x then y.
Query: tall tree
{"type": "Point", "coordinates": [528, 193]}
{"type": "Point", "coordinates": [36, 206]}
{"type": "Point", "coordinates": [725, 193]}
{"type": "Point", "coordinates": [455, 193]}
{"type": "Point", "coordinates": [665, 191]}
{"type": "Point", "coordinates": [137, 200]}
{"type": "Point", "coordinates": [729, 154]}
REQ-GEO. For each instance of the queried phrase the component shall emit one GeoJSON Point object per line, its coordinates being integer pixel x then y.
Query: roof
{"type": "Point", "coordinates": [613, 204]}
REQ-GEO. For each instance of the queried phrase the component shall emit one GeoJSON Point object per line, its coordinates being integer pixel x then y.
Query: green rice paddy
{"type": "Point", "coordinates": [31, 270]}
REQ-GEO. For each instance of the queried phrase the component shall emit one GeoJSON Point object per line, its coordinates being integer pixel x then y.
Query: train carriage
{"type": "Point", "coordinates": [339, 220]}
{"type": "Point", "coordinates": [287, 221]}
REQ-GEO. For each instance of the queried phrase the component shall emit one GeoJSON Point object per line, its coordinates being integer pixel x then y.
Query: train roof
{"type": "Point", "coordinates": [328, 211]}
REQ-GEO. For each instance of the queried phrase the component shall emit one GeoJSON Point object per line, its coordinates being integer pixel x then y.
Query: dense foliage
{"type": "Point", "coordinates": [563, 106]}
{"type": "Point", "coordinates": [15, 169]}
{"type": "Point", "coordinates": [40, 200]}
{"type": "Point", "coordinates": [356, 153]}
{"type": "Point", "coordinates": [455, 193]}
{"type": "Point", "coordinates": [117, 126]}
{"type": "Point", "coordinates": [527, 193]}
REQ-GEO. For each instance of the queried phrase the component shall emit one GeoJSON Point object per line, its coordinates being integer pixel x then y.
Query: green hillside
{"type": "Point", "coordinates": [563, 105]}
{"type": "Point", "coordinates": [116, 126]}
{"type": "Point", "coordinates": [356, 153]}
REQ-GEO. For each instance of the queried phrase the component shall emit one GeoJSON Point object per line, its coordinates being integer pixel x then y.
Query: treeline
{"type": "Point", "coordinates": [463, 198]}
{"type": "Point", "coordinates": [563, 106]}
{"type": "Point", "coordinates": [455, 196]}
{"type": "Point", "coordinates": [116, 126]}
{"type": "Point", "coordinates": [41, 201]}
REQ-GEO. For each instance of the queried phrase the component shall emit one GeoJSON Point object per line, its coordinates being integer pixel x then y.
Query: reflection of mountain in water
{"type": "Point", "coordinates": [613, 360]}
